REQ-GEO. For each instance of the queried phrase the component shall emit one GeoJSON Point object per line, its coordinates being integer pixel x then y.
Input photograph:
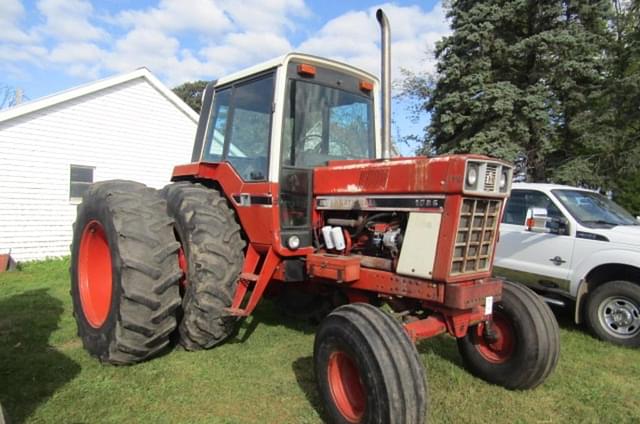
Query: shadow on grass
{"type": "Point", "coordinates": [30, 369]}
{"type": "Point", "coordinates": [269, 314]}
{"type": "Point", "coordinates": [444, 346]}
{"type": "Point", "coordinates": [303, 370]}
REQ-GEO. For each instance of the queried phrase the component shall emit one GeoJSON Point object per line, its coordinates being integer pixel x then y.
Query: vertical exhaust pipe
{"type": "Point", "coordinates": [385, 42]}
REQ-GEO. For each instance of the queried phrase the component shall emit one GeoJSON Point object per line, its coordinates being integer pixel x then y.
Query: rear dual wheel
{"type": "Point", "coordinates": [367, 368]}
{"type": "Point", "coordinates": [211, 257]}
{"type": "Point", "coordinates": [523, 346]}
{"type": "Point", "coordinates": [124, 272]}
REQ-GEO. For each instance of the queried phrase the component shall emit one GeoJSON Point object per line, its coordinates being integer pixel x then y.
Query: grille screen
{"type": "Point", "coordinates": [476, 236]}
{"type": "Point", "coordinates": [490, 177]}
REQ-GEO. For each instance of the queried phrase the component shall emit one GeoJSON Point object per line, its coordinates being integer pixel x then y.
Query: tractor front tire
{"type": "Point", "coordinates": [124, 272]}
{"type": "Point", "coordinates": [528, 341]}
{"type": "Point", "coordinates": [212, 249]}
{"type": "Point", "coordinates": [367, 368]}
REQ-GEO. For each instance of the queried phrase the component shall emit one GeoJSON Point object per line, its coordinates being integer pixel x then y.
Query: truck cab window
{"type": "Point", "coordinates": [521, 200]}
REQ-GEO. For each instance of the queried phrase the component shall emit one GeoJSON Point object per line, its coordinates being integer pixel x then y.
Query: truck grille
{"type": "Point", "coordinates": [476, 236]}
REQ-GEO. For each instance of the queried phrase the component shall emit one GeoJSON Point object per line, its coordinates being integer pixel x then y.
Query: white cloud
{"type": "Point", "coordinates": [240, 49]}
{"type": "Point", "coordinates": [201, 16]}
{"type": "Point", "coordinates": [69, 20]}
{"type": "Point", "coordinates": [11, 13]}
{"type": "Point", "coordinates": [223, 36]}
{"type": "Point", "coordinates": [232, 35]}
{"type": "Point", "coordinates": [265, 16]}
{"type": "Point", "coordinates": [27, 53]}
{"type": "Point", "coordinates": [354, 38]}
{"type": "Point", "coordinates": [76, 52]}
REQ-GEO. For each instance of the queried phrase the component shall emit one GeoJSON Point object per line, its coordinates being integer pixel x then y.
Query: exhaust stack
{"type": "Point", "coordinates": [385, 41]}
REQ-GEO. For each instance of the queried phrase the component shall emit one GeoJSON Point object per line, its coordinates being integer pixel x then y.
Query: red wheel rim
{"type": "Point", "coordinates": [182, 263]}
{"type": "Point", "coordinates": [346, 386]}
{"type": "Point", "coordinates": [94, 274]}
{"type": "Point", "coordinates": [501, 350]}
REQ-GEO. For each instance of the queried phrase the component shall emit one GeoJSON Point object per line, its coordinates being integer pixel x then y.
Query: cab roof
{"type": "Point", "coordinates": [285, 59]}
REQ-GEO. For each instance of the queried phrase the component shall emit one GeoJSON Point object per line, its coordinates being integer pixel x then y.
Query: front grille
{"type": "Point", "coordinates": [490, 177]}
{"type": "Point", "coordinates": [476, 236]}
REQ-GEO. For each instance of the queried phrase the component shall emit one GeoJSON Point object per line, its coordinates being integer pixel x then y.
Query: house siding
{"type": "Point", "coordinates": [128, 131]}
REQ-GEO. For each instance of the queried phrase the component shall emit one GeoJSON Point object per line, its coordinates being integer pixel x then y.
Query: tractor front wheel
{"type": "Point", "coordinates": [521, 348]}
{"type": "Point", "coordinates": [367, 369]}
{"type": "Point", "coordinates": [124, 272]}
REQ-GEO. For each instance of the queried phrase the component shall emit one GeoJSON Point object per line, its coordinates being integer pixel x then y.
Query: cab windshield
{"type": "Point", "coordinates": [593, 209]}
{"type": "Point", "coordinates": [323, 123]}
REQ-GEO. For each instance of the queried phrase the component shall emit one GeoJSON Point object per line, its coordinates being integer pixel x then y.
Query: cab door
{"type": "Point", "coordinates": [539, 260]}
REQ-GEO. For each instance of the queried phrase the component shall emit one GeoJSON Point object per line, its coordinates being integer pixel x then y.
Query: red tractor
{"type": "Point", "coordinates": [292, 193]}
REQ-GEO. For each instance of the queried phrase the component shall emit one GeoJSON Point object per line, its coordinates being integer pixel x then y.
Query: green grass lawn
{"type": "Point", "coordinates": [265, 374]}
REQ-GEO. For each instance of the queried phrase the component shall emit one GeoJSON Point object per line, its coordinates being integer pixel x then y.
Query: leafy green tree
{"type": "Point", "coordinates": [191, 93]}
{"type": "Point", "coordinates": [518, 77]}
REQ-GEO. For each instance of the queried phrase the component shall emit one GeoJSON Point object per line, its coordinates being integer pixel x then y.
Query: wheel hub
{"type": "Point", "coordinates": [497, 343]}
{"type": "Point", "coordinates": [346, 386]}
{"type": "Point", "coordinates": [620, 316]}
{"type": "Point", "coordinates": [94, 274]}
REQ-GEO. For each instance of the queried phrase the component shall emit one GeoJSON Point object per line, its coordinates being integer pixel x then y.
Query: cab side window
{"type": "Point", "coordinates": [521, 200]}
{"type": "Point", "coordinates": [240, 127]}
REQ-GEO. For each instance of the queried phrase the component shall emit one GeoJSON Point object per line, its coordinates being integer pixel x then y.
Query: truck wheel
{"type": "Point", "coordinates": [613, 313]}
{"type": "Point", "coordinates": [367, 369]}
{"type": "Point", "coordinates": [528, 341]}
{"type": "Point", "coordinates": [212, 252]}
{"type": "Point", "coordinates": [124, 272]}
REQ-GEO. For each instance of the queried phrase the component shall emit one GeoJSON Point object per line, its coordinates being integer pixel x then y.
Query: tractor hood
{"type": "Point", "coordinates": [440, 174]}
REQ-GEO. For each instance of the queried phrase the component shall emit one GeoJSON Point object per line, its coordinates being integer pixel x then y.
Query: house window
{"type": "Point", "coordinates": [80, 178]}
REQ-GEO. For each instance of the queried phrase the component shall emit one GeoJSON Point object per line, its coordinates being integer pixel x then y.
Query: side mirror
{"type": "Point", "coordinates": [536, 221]}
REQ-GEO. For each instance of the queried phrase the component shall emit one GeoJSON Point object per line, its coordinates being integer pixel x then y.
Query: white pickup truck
{"type": "Point", "coordinates": [576, 248]}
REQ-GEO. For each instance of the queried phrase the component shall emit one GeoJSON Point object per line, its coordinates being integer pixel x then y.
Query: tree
{"type": "Point", "coordinates": [191, 93]}
{"type": "Point", "coordinates": [624, 95]}
{"type": "Point", "coordinates": [518, 77]}
{"type": "Point", "coordinates": [10, 96]}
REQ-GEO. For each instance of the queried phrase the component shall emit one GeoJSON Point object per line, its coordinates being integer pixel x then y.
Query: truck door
{"type": "Point", "coordinates": [539, 260]}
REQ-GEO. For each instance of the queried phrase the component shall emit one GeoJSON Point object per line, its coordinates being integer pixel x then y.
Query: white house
{"type": "Point", "coordinates": [129, 126]}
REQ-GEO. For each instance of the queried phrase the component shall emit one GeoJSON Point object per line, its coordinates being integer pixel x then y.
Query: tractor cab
{"type": "Point", "coordinates": [274, 123]}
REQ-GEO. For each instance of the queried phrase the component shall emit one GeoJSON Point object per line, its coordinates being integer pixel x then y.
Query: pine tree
{"type": "Point", "coordinates": [519, 77]}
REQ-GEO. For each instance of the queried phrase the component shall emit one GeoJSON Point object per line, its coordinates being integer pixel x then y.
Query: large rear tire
{"type": "Point", "coordinates": [124, 272]}
{"type": "Point", "coordinates": [528, 342]}
{"type": "Point", "coordinates": [367, 369]}
{"type": "Point", "coordinates": [213, 251]}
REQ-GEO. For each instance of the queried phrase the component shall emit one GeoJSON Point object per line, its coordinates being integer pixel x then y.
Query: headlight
{"type": "Point", "coordinates": [293, 242]}
{"type": "Point", "coordinates": [503, 180]}
{"type": "Point", "coordinates": [472, 175]}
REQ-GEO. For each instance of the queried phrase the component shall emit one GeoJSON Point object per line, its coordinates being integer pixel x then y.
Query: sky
{"type": "Point", "coordinates": [48, 46]}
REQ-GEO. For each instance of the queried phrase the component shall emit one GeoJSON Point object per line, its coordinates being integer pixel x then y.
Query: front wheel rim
{"type": "Point", "coordinates": [620, 316]}
{"type": "Point", "coordinates": [501, 350]}
{"type": "Point", "coordinates": [346, 386]}
{"type": "Point", "coordinates": [94, 274]}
